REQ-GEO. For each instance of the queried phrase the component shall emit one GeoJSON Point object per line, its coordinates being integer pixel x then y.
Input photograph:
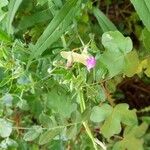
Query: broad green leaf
{"type": "Point", "coordinates": [100, 113]}
{"type": "Point", "coordinates": [5, 128]}
{"type": "Point", "coordinates": [132, 138]}
{"type": "Point", "coordinates": [129, 143]}
{"type": "Point", "coordinates": [38, 17]}
{"type": "Point", "coordinates": [131, 64]}
{"type": "Point", "coordinates": [117, 47]}
{"type": "Point", "coordinates": [7, 100]}
{"type": "Point", "coordinates": [143, 9]}
{"type": "Point", "coordinates": [13, 7]}
{"type": "Point", "coordinates": [113, 117]}
{"type": "Point", "coordinates": [114, 41]}
{"type": "Point", "coordinates": [48, 136]}
{"type": "Point", "coordinates": [33, 133]}
{"type": "Point", "coordinates": [7, 143]}
{"type": "Point", "coordinates": [103, 21]}
{"type": "Point", "coordinates": [111, 59]}
{"type": "Point", "coordinates": [137, 131]}
{"type": "Point", "coordinates": [101, 70]}
{"type": "Point", "coordinates": [23, 105]}
{"type": "Point", "coordinates": [56, 28]}
{"type": "Point", "coordinates": [126, 116]}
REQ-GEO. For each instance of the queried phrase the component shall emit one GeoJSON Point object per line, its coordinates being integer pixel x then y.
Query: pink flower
{"type": "Point", "coordinates": [90, 62]}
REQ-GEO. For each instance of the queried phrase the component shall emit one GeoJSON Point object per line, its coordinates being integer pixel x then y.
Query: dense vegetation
{"type": "Point", "coordinates": [74, 74]}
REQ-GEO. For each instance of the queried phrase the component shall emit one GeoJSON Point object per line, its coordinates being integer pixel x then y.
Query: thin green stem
{"type": "Point", "coordinates": [83, 107]}
{"type": "Point", "coordinates": [56, 127]}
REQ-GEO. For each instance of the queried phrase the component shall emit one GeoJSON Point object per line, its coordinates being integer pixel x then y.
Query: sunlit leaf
{"type": "Point", "coordinates": [131, 64]}
{"type": "Point", "coordinates": [117, 47]}
{"type": "Point", "coordinates": [113, 117]}
{"type": "Point", "coordinates": [5, 128]}
{"type": "Point", "coordinates": [132, 138]}
{"type": "Point", "coordinates": [33, 133]}
{"type": "Point", "coordinates": [48, 136]}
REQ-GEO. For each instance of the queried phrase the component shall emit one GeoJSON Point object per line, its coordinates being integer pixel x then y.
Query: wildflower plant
{"type": "Point", "coordinates": [61, 62]}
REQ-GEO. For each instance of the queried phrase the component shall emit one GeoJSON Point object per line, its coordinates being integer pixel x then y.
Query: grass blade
{"type": "Point", "coordinates": [104, 22]}
{"type": "Point", "coordinates": [56, 27]}
{"type": "Point", "coordinates": [143, 9]}
{"type": "Point", "coordinates": [13, 7]}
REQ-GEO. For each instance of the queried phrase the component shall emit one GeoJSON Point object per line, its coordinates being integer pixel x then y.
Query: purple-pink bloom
{"type": "Point", "coordinates": [90, 63]}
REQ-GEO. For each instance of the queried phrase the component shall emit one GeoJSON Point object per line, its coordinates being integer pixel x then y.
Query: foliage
{"type": "Point", "coordinates": [60, 63]}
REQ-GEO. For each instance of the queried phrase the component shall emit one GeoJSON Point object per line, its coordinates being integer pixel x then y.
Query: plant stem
{"type": "Point", "coordinates": [83, 107]}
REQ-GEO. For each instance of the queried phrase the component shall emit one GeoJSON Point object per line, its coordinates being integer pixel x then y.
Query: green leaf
{"type": "Point", "coordinates": [113, 117]}
{"type": "Point", "coordinates": [147, 68]}
{"type": "Point", "coordinates": [96, 93]}
{"type": "Point", "coordinates": [5, 128]}
{"type": "Point", "coordinates": [3, 3]}
{"type": "Point", "coordinates": [132, 138]}
{"type": "Point", "coordinates": [48, 136]}
{"type": "Point", "coordinates": [111, 59]}
{"type": "Point", "coordinates": [46, 121]}
{"type": "Point", "coordinates": [7, 100]}
{"type": "Point", "coordinates": [71, 132]}
{"type": "Point", "coordinates": [99, 114]}
{"type": "Point", "coordinates": [103, 21]}
{"type": "Point", "coordinates": [56, 28]}
{"type": "Point", "coordinates": [143, 9]}
{"type": "Point", "coordinates": [146, 119]}
{"type": "Point", "coordinates": [7, 143]}
{"type": "Point", "coordinates": [60, 103]}
{"type": "Point", "coordinates": [129, 143]}
{"type": "Point", "coordinates": [33, 133]}
{"type": "Point", "coordinates": [23, 105]}
{"type": "Point", "coordinates": [137, 131]}
{"type": "Point", "coordinates": [117, 47]}
{"type": "Point", "coordinates": [114, 41]}
{"type": "Point", "coordinates": [4, 37]}
{"type": "Point", "coordinates": [131, 64]}
{"type": "Point", "coordinates": [13, 7]}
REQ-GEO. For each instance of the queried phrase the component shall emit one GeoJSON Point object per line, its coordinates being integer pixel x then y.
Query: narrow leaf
{"type": "Point", "coordinates": [13, 7]}
{"type": "Point", "coordinates": [103, 21]}
{"type": "Point", "coordinates": [143, 9]}
{"type": "Point", "coordinates": [56, 27]}
{"type": "Point", "coordinates": [4, 37]}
